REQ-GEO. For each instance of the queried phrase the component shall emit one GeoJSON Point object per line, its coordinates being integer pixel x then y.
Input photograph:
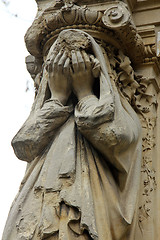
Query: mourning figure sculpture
{"type": "Point", "coordinates": [82, 142]}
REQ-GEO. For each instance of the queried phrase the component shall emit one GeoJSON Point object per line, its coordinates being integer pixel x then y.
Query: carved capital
{"type": "Point", "coordinates": [114, 26]}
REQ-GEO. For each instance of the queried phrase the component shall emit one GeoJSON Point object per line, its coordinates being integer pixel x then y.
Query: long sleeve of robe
{"type": "Point", "coordinates": [39, 129]}
{"type": "Point", "coordinates": [88, 159]}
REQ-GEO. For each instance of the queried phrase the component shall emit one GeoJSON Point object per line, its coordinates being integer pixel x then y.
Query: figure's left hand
{"type": "Point", "coordinates": [81, 73]}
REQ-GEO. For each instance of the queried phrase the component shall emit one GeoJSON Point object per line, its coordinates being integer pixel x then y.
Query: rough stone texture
{"type": "Point", "coordinates": [91, 139]}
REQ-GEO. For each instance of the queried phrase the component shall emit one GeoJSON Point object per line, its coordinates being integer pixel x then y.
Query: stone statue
{"type": "Point", "coordinates": [83, 144]}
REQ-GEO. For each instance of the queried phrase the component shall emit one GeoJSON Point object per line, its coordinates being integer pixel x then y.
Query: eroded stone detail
{"type": "Point", "coordinates": [90, 136]}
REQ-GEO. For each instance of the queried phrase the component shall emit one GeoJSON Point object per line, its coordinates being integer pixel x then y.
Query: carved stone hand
{"type": "Point", "coordinates": [81, 73]}
{"type": "Point", "coordinates": [59, 77]}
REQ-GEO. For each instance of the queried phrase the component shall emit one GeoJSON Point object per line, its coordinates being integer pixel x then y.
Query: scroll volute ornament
{"type": "Point", "coordinates": [116, 16]}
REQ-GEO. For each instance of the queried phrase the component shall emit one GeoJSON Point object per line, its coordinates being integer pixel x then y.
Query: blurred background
{"type": "Point", "coordinates": [16, 94]}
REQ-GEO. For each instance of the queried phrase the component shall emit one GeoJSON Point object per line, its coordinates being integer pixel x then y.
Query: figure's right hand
{"type": "Point", "coordinates": [59, 77]}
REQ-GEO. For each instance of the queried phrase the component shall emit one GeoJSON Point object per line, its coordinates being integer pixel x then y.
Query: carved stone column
{"type": "Point", "coordinates": [149, 203]}
{"type": "Point", "coordinates": [146, 18]}
{"type": "Point", "coordinates": [91, 173]}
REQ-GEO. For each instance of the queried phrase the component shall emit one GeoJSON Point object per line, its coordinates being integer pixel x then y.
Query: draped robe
{"type": "Point", "coordinates": [82, 180]}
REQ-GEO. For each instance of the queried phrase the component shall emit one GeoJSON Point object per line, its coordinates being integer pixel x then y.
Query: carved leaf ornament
{"type": "Point", "coordinates": [70, 186]}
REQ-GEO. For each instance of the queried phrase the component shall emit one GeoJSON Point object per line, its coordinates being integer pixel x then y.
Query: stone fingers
{"type": "Point", "coordinates": [86, 60]}
{"type": "Point", "coordinates": [74, 61]}
{"type": "Point", "coordinates": [61, 63]}
{"type": "Point", "coordinates": [81, 63]}
{"type": "Point", "coordinates": [66, 68]}
{"type": "Point", "coordinates": [49, 64]}
{"type": "Point", "coordinates": [56, 61]}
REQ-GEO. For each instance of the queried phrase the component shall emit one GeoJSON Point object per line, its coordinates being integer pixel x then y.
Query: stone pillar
{"type": "Point", "coordinates": [85, 152]}
{"type": "Point", "coordinates": [146, 18]}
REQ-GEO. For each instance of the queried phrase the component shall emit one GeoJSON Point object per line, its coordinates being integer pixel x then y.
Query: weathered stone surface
{"type": "Point", "coordinates": [91, 139]}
